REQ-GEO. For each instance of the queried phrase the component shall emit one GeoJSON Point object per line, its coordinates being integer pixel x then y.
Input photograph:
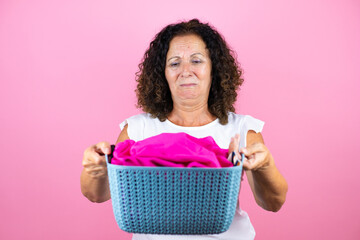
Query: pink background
{"type": "Point", "coordinates": [67, 79]}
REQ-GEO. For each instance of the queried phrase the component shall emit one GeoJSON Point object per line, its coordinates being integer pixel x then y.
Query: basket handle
{"type": "Point", "coordinates": [110, 156]}
{"type": "Point", "coordinates": [234, 160]}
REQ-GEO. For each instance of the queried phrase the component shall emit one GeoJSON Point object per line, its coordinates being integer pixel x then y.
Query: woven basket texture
{"type": "Point", "coordinates": [163, 200]}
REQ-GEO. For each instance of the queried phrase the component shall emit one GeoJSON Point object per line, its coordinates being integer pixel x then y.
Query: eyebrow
{"type": "Point", "coordinates": [190, 56]}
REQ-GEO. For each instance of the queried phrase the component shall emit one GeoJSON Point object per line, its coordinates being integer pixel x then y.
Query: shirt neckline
{"type": "Point", "coordinates": [198, 127]}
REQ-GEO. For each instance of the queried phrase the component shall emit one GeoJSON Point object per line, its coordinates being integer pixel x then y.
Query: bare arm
{"type": "Point", "coordinates": [267, 184]}
{"type": "Point", "coordinates": [94, 179]}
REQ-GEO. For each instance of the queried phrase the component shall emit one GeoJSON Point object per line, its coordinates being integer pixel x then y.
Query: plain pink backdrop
{"type": "Point", "coordinates": [67, 80]}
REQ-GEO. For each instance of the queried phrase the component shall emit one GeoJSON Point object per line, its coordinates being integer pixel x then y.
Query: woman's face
{"type": "Point", "coordinates": [188, 70]}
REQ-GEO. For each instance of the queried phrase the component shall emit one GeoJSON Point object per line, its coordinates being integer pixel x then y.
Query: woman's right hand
{"type": "Point", "coordinates": [94, 162]}
{"type": "Point", "coordinates": [94, 179]}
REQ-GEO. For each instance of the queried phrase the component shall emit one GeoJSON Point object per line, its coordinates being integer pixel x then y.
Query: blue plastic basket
{"type": "Point", "coordinates": [168, 200]}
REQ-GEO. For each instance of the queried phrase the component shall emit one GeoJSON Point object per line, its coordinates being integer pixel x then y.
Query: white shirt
{"type": "Point", "coordinates": [142, 126]}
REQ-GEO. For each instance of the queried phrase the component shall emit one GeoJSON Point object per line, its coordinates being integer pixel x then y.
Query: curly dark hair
{"type": "Point", "coordinates": [153, 91]}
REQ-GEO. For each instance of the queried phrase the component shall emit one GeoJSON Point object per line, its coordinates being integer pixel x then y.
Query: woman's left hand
{"type": "Point", "coordinates": [267, 184]}
{"type": "Point", "coordinates": [257, 155]}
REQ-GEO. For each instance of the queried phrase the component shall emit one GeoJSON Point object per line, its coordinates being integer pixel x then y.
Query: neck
{"type": "Point", "coordinates": [191, 116]}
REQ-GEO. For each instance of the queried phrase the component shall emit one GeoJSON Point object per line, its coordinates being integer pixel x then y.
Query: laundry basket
{"type": "Point", "coordinates": [169, 200]}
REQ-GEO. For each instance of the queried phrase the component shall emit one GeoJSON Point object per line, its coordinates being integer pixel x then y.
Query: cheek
{"type": "Point", "coordinates": [205, 70]}
{"type": "Point", "coordinates": [206, 73]}
{"type": "Point", "coordinates": [170, 75]}
{"type": "Point", "coordinates": [170, 78]}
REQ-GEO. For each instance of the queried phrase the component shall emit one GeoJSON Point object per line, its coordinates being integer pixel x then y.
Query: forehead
{"type": "Point", "coordinates": [186, 43]}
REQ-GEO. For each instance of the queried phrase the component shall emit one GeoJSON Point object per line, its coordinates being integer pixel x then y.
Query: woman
{"type": "Point", "coordinates": [187, 82]}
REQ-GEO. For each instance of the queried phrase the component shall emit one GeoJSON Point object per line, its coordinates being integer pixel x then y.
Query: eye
{"type": "Point", "coordinates": [196, 61]}
{"type": "Point", "coordinates": [174, 64]}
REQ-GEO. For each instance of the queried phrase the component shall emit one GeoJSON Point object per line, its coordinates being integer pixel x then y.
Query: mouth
{"type": "Point", "coordinates": [188, 85]}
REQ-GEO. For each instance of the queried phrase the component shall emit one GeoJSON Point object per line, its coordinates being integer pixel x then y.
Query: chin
{"type": "Point", "coordinates": [185, 97]}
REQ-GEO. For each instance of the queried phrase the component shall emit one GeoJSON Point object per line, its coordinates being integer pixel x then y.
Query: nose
{"type": "Point", "coordinates": [186, 70]}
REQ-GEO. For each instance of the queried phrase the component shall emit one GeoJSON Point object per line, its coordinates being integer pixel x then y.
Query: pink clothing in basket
{"type": "Point", "coordinates": [171, 150]}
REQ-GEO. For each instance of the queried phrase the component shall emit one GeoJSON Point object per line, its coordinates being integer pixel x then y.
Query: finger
{"type": "Point", "coordinates": [255, 161]}
{"type": "Point", "coordinates": [249, 163]}
{"type": "Point", "coordinates": [91, 164]}
{"type": "Point", "coordinates": [252, 163]}
{"type": "Point", "coordinates": [252, 149]}
{"type": "Point", "coordinates": [246, 165]}
{"type": "Point", "coordinates": [103, 148]}
{"type": "Point", "coordinates": [95, 169]}
{"type": "Point", "coordinates": [234, 143]}
{"type": "Point", "coordinates": [97, 172]}
{"type": "Point", "coordinates": [93, 158]}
